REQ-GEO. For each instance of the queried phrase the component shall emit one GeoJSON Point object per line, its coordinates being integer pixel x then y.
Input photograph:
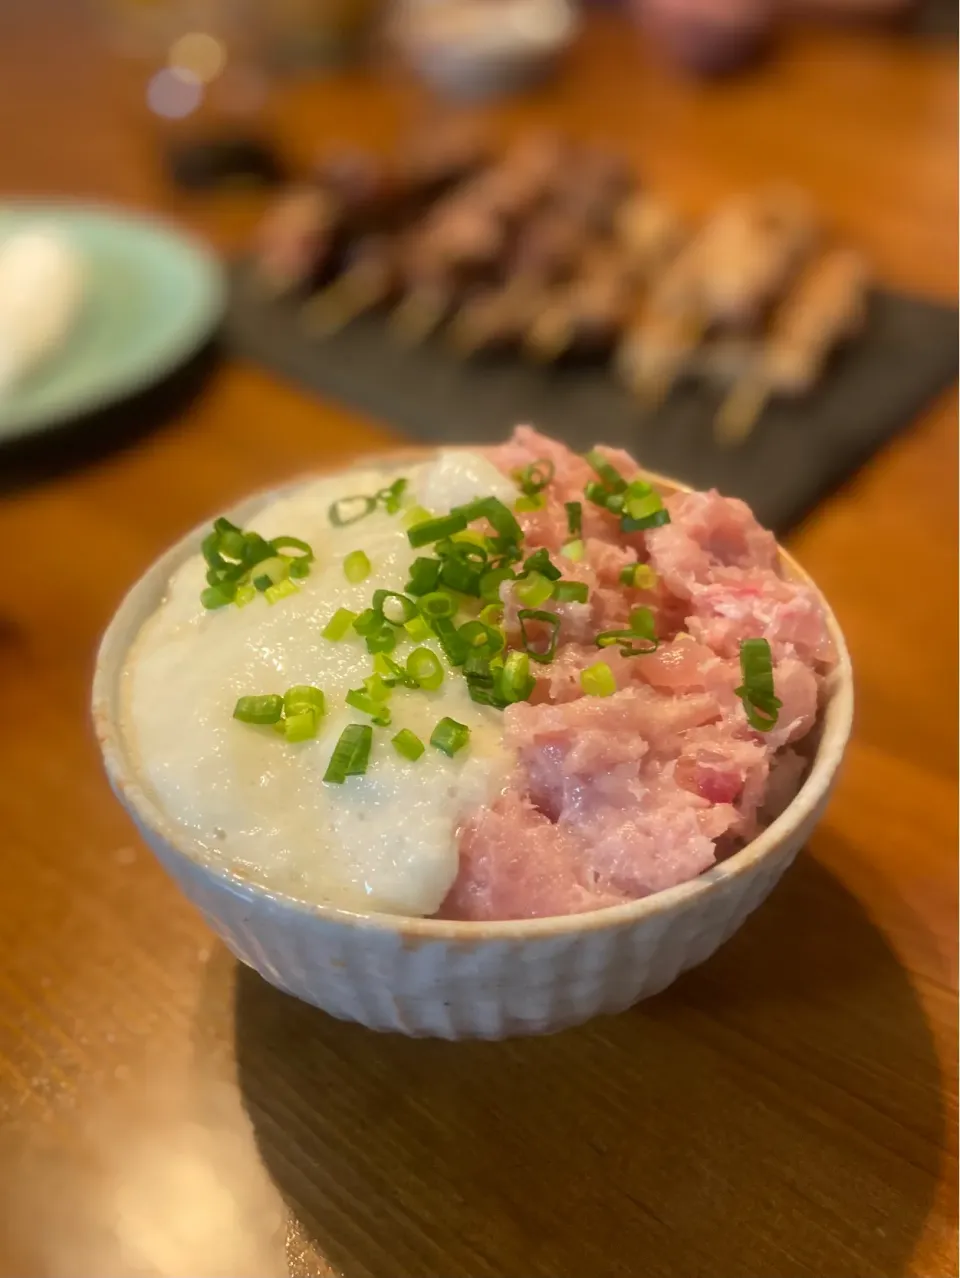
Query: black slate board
{"type": "Point", "coordinates": [798, 453]}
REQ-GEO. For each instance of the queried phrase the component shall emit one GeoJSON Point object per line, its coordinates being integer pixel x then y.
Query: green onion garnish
{"type": "Point", "coordinates": [539, 562]}
{"type": "Point", "coordinates": [573, 551]}
{"type": "Point", "coordinates": [356, 567]}
{"type": "Point", "coordinates": [377, 687]}
{"type": "Point", "coordinates": [535, 501]}
{"type": "Point", "coordinates": [760, 702]}
{"type": "Point", "coordinates": [598, 680]}
{"type": "Point", "coordinates": [393, 607]}
{"type": "Point", "coordinates": [244, 595]}
{"type": "Point", "coordinates": [613, 481]}
{"type": "Point", "coordinates": [641, 576]}
{"type": "Point", "coordinates": [392, 672]}
{"type": "Point", "coordinates": [638, 640]}
{"type": "Point", "coordinates": [266, 709]}
{"type": "Point", "coordinates": [535, 477]}
{"type": "Point", "coordinates": [516, 681]}
{"type": "Point", "coordinates": [416, 515]}
{"type": "Point", "coordinates": [367, 622]}
{"type": "Point", "coordinates": [491, 582]}
{"type": "Point", "coordinates": [351, 753]}
{"type": "Point", "coordinates": [550, 619]}
{"type": "Point", "coordinates": [425, 669]}
{"type": "Point", "coordinates": [408, 744]}
{"type": "Point", "coordinates": [491, 614]}
{"type": "Point", "coordinates": [437, 604]}
{"type": "Point", "coordinates": [361, 700]}
{"type": "Point", "coordinates": [391, 496]}
{"type": "Point", "coordinates": [574, 517]}
{"type": "Point", "coordinates": [642, 508]}
{"type": "Point", "coordinates": [382, 640]}
{"type": "Point", "coordinates": [273, 594]}
{"type": "Point", "coordinates": [348, 510]}
{"type": "Point", "coordinates": [304, 696]}
{"type": "Point", "coordinates": [492, 509]}
{"type": "Point", "coordinates": [571, 592]}
{"type": "Point", "coordinates": [431, 530]}
{"type": "Point", "coordinates": [339, 624]}
{"type": "Point", "coordinates": [424, 576]}
{"type": "Point", "coordinates": [417, 629]}
{"type": "Point", "coordinates": [476, 634]}
{"type": "Point", "coordinates": [533, 590]}
{"type": "Point", "coordinates": [450, 736]}
{"type": "Point", "coordinates": [458, 574]}
{"type": "Point", "coordinates": [454, 648]}
{"type": "Point", "coordinates": [238, 561]}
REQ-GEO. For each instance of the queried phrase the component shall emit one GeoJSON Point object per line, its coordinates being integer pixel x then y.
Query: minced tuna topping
{"type": "Point", "coordinates": [641, 784]}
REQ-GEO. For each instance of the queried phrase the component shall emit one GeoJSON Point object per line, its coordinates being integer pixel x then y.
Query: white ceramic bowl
{"type": "Point", "coordinates": [454, 979]}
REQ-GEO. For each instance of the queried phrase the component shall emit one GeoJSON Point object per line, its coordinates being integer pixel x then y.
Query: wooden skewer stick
{"type": "Point", "coordinates": [417, 316]}
{"type": "Point", "coordinates": [740, 411]}
{"type": "Point", "coordinates": [334, 307]}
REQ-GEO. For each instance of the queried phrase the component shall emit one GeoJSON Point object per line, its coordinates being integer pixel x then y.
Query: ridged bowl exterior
{"type": "Point", "coordinates": [457, 980]}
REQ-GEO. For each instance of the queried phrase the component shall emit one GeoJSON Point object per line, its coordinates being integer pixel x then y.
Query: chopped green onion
{"type": "Point", "coordinates": [491, 614]}
{"type": "Point", "coordinates": [533, 590]}
{"type": "Point", "coordinates": [457, 574]}
{"type": "Point", "coordinates": [437, 604]}
{"type": "Point", "coordinates": [472, 537]}
{"type": "Point", "coordinates": [339, 624]}
{"type": "Point", "coordinates": [641, 576]}
{"type": "Point", "coordinates": [516, 681]}
{"type": "Point", "coordinates": [424, 576]}
{"type": "Point", "coordinates": [377, 687]}
{"type": "Point", "coordinates": [301, 726]}
{"type": "Point", "coordinates": [360, 699]}
{"type": "Point", "coordinates": [536, 476]}
{"type": "Point", "coordinates": [550, 619]}
{"type": "Point", "coordinates": [492, 509]}
{"type": "Point", "coordinates": [417, 629]}
{"type": "Point", "coordinates": [401, 608]}
{"type": "Point", "coordinates": [304, 696]}
{"type": "Point", "coordinates": [431, 530]}
{"type": "Point", "coordinates": [244, 595]}
{"type": "Point", "coordinates": [356, 567]}
{"type": "Point", "coordinates": [271, 572]}
{"type": "Point", "coordinates": [598, 680]}
{"type": "Point", "coordinates": [273, 594]}
{"type": "Point", "coordinates": [391, 671]}
{"type": "Point", "coordinates": [367, 622]}
{"type": "Point", "coordinates": [642, 508]}
{"type": "Point", "coordinates": [450, 736]}
{"type": "Point", "coordinates": [643, 628]}
{"type": "Point", "coordinates": [216, 597]}
{"type": "Point", "coordinates": [408, 744]}
{"type": "Point", "coordinates": [574, 517]}
{"type": "Point", "coordinates": [535, 501]}
{"type": "Point", "coordinates": [573, 551]}
{"type": "Point", "coordinates": [351, 753]}
{"type": "Point", "coordinates": [391, 496]}
{"type": "Point", "coordinates": [571, 592]}
{"type": "Point", "coordinates": [416, 515]}
{"type": "Point", "coordinates": [382, 640]}
{"type": "Point", "coordinates": [425, 669]}
{"type": "Point", "coordinates": [348, 510]}
{"type": "Point", "coordinates": [539, 562]}
{"type": "Point", "coordinates": [475, 634]}
{"type": "Point", "coordinates": [265, 709]}
{"type": "Point", "coordinates": [491, 582]}
{"type": "Point", "coordinates": [613, 481]}
{"type": "Point", "coordinates": [454, 648]}
{"type": "Point", "coordinates": [760, 702]}
{"type": "Point", "coordinates": [292, 543]}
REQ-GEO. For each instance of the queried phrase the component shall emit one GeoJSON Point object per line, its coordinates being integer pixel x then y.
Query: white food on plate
{"type": "Point", "coordinates": [41, 290]}
{"type": "Point", "coordinates": [384, 841]}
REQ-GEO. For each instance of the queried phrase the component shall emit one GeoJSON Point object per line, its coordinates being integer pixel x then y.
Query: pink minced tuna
{"type": "Point", "coordinates": [613, 798]}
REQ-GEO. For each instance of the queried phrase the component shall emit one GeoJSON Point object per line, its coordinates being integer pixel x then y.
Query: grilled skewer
{"type": "Point", "coordinates": [826, 308]}
{"type": "Point", "coordinates": [370, 277]}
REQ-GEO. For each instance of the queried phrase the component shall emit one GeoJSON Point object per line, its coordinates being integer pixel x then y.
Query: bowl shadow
{"type": "Point", "coordinates": [776, 1113]}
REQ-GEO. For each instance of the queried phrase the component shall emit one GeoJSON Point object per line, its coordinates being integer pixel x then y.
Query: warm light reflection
{"type": "Point", "coordinates": [199, 54]}
{"type": "Point", "coordinates": [174, 93]}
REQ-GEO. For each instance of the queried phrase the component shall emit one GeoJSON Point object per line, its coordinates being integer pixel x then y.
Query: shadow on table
{"type": "Point", "coordinates": [85, 440]}
{"type": "Point", "coordinates": [776, 1112]}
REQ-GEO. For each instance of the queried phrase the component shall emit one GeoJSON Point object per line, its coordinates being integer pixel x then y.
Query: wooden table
{"type": "Point", "coordinates": [787, 1110]}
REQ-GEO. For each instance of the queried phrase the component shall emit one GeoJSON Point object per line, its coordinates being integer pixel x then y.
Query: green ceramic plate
{"type": "Point", "coordinates": [152, 297]}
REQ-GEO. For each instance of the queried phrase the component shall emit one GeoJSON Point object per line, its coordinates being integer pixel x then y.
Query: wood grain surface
{"type": "Point", "coordinates": [786, 1110]}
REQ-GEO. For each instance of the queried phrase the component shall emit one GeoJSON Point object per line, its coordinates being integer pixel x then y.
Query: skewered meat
{"type": "Point", "coordinates": [296, 239]}
{"type": "Point", "coordinates": [826, 307]}
{"type": "Point", "coordinates": [592, 185]}
{"type": "Point", "coordinates": [495, 319]}
{"type": "Point", "coordinates": [438, 156]}
{"type": "Point", "coordinates": [369, 278]}
{"type": "Point", "coordinates": [587, 315]}
{"type": "Point", "coordinates": [649, 231]}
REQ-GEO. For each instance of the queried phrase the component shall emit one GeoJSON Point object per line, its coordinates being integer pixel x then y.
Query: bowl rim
{"type": "Point", "coordinates": [144, 597]}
